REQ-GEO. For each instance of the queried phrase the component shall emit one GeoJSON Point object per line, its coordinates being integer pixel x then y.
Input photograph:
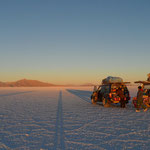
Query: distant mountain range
{"type": "Point", "coordinates": [33, 83]}
{"type": "Point", "coordinates": [25, 83]}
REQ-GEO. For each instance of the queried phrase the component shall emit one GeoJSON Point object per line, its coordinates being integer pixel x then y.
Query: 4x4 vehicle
{"type": "Point", "coordinates": [107, 92]}
{"type": "Point", "coordinates": [146, 93]}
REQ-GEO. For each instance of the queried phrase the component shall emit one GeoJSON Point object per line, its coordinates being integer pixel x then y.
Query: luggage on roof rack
{"type": "Point", "coordinates": [111, 79]}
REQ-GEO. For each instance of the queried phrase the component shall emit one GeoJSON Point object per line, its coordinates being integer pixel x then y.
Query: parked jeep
{"type": "Point", "coordinates": [107, 91]}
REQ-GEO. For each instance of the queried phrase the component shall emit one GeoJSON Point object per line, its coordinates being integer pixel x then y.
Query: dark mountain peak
{"type": "Point", "coordinates": [25, 83]}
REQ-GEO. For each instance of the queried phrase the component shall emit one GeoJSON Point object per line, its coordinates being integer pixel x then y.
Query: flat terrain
{"type": "Point", "coordinates": [64, 118]}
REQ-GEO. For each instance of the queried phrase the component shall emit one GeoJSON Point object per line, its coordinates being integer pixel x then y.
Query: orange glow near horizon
{"type": "Point", "coordinates": [70, 78]}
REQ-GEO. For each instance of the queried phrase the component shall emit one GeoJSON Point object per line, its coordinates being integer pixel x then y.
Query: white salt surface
{"type": "Point", "coordinates": [64, 118]}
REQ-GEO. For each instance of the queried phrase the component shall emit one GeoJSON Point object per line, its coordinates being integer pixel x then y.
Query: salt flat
{"type": "Point", "coordinates": [64, 118]}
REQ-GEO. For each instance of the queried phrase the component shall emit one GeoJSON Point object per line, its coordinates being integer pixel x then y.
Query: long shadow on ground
{"type": "Point", "coordinates": [84, 95]}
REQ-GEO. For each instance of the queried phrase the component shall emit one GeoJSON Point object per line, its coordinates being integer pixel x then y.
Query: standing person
{"type": "Point", "coordinates": [148, 99]}
{"type": "Point", "coordinates": [140, 100]}
{"type": "Point", "coordinates": [120, 93]}
{"type": "Point", "coordinates": [126, 94]}
{"type": "Point", "coordinates": [148, 93]}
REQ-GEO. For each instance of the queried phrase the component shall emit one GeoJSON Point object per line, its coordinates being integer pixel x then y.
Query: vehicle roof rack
{"type": "Point", "coordinates": [116, 83]}
{"type": "Point", "coordinates": [143, 82]}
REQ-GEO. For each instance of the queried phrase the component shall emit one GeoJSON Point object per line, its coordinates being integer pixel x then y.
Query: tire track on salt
{"type": "Point", "coordinates": [59, 131]}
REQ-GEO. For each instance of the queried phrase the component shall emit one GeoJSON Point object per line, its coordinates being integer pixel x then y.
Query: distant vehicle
{"type": "Point", "coordinates": [107, 92]}
{"type": "Point", "coordinates": [146, 91]}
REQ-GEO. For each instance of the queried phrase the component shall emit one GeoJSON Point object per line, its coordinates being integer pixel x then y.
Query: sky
{"type": "Point", "coordinates": [74, 41]}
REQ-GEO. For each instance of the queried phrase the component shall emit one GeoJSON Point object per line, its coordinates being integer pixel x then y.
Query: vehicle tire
{"type": "Point", "coordinates": [93, 101]}
{"type": "Point", "coordinates": [104, 101]}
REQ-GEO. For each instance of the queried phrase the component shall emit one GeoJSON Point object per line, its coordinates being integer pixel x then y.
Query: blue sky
{"type": "Point", "coordinates": [74, 41]}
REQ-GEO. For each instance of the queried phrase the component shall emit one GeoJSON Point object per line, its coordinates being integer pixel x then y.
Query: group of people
{"type": "Point", "coordinates": [123, 93]}
{"type": "Point", "coordinates": [113, 92]}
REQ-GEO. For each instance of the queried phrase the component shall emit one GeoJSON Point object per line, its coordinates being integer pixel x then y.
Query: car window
{"type": "Point", "coordinates": [105, 89]}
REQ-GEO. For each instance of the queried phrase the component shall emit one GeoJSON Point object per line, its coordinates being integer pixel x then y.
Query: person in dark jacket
{"type": "Point", "coordinates": [120, 93]}
{"type": "Point", "coordinates": [148, 92]}
{"type": "Point", "coordinates": [147, 100]}
{"type": "Point", "coordinates": [126, 94]}
{"type": "Point", "coordinates": [140, 100]}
